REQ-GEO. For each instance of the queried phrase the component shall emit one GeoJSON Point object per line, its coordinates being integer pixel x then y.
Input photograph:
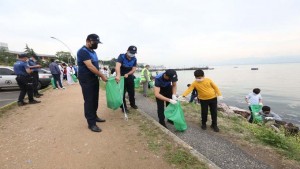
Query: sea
{"type": "Point", "coordinates": [279, 84]}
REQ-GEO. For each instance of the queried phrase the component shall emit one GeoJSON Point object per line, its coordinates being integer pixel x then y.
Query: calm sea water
{"type": "Point", "coordinates": [279, 84]}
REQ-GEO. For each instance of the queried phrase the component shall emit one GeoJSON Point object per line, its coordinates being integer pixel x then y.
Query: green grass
{"type": "Point", "coordinates": [159, 143]}
{"type": "Point", "coordinates": [287, 146]}
{"type": "Point", "coordinates": [239, 128]}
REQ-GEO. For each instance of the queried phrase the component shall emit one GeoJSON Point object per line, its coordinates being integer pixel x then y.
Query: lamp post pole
{"type": "Point", "coordinates": [71, 53]}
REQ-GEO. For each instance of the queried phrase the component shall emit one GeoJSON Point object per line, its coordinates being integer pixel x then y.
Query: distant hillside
{"type": "Point", "coordinates": [259, 60]}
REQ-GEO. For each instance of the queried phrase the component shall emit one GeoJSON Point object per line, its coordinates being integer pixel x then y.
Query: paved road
{"type": "Point", "coordinates": [222, 152]}
{"type": "Point", "coordinates": [8, 95]}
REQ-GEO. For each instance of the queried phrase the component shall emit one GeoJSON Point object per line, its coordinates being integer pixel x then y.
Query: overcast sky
{"type": "Point", "coordinates": [174, 33]}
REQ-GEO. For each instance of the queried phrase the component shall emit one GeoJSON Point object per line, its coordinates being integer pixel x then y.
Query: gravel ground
{"type": "Point", "coordinates": [220, 151]}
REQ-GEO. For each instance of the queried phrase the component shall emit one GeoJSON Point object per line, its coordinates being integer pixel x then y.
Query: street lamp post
{"type": "Point", "coordinates": [71, 53]}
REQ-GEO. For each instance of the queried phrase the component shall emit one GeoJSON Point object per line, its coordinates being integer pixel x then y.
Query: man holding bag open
{"type": "Point", "coordinates": [88, 75]}
{"type": "Point", "coordinates": [165, 91]}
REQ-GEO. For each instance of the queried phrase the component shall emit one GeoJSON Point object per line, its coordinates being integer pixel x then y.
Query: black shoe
{"type": "Point", "coordinates": [215, 128]}
{"type": "Point", "coordinates": [40, 94]}
{"type": "Point", "coordinates": [34, 102]}
{"type": "Point", "coordinates": [22, 103]}
{"type": "Point", "coordinates": [95, 128]}
{"type": "Point", "coordinates": [170, 121]}
{"type": "Point", "coordinates": [134, 106]}
{"type": "Point", "coordinates": [203, 126]}
{"type": "Point", "coordinates": [100, 120]}
{"type": "Point", "coordinates": [37, 96]}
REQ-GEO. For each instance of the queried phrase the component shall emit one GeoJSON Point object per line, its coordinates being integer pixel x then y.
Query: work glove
{"type": "Point", "coordinates": [172, 101]}
{"type": "Point", "coordinates": [174, 97]}
{"type": "Point", "coordinates": [260, 104]}
{"type": "Point", "coordinates": [249, 103]}
{"type": "Point", "coordinates": [269, 118]}
{"type": "Point", "coordinates": [220, 98]}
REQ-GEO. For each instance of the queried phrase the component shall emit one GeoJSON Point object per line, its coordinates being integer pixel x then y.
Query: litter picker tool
{"type": "Point", "coordinates": [121, 95]}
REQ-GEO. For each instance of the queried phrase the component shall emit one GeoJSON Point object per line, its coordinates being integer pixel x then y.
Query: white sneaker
{"type": "Point", "coordinates": [63, 88]}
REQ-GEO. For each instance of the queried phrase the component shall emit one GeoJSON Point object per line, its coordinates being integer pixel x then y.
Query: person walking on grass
{"type": "Point", "coordinates": [145, 79]}
{"type": "Point", "coordinates": [88, 75]}
{"type": "Point", "coordinates": [208, 92]}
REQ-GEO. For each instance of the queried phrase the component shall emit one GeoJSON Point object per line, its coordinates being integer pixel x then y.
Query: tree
{"type": "Point", "coordinates": [65, 57]}
{"type": "Point", "coordinates": [110, 63]}
{"type": "Point", "coordinates": [6, 58]}
{"type": "Point", "coordinates": [31, 52]}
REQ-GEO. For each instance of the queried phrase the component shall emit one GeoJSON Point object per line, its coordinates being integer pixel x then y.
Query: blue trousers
{"type": "Point", "coordinates": [90, 91]}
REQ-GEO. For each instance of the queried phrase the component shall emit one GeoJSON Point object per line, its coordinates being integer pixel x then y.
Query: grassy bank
{"type": "Point", "coordinates": [238, 129]}
{"type": "Point", "coordinates": [161, 144]}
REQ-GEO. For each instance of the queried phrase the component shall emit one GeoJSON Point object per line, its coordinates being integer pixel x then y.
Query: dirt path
{"type": "Point", "coordinates": [54, 134]}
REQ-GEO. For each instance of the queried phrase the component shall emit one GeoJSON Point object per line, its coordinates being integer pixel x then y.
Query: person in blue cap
{"type": "Point", "coordinates": [126, 66]}
{"type": "Point", "coordinates": [24, 80]}
{"type": "Point", "coordinates": [88, 76]}
{"type": "Point", "coordinates": [32, 62]}
{"type": "Point", "coordinates": [165, 92]}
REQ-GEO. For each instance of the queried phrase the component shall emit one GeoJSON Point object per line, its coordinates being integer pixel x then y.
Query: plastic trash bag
{"type": "Point", "coordinates": [137, 82]}
{"type": "Point", "coordinates": [52, 83]}
{"type": "Point", "coordinates": [151, 84]}
{"type": "Point", "coordinates": [257, 118]}
{"type": "Point", "coordinates": [114, 93]}
{"type": "Point", "coordinates": [174, 112]}
{"type": "Point", "coordinates": [74, 78]}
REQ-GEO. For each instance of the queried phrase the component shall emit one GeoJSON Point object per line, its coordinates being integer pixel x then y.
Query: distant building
{"type": "Point", "coordinates": [43, 57]}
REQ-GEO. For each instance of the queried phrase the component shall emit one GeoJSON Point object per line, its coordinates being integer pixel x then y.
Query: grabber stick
{"type": "Point", "coordinates": [125, 113]}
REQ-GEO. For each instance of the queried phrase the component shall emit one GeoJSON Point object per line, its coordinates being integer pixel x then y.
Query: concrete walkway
{"type": "Point", "coordinates": [220, 151]}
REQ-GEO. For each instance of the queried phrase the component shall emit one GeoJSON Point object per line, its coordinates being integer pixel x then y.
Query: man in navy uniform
{"type": "Point", "coordinates": [24, 80]}
{"type": "Point", "coordinates": [88, 75]}
{"type": "Point", "coordinates": [126, 66]}
{"type": "Point", "coordinates": [35, 73]}
{"type": "Point", "coordinates": [165, 91]}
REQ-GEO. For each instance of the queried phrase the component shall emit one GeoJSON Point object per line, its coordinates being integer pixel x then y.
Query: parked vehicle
{"type": "Point", "coordinates": [8, 78]}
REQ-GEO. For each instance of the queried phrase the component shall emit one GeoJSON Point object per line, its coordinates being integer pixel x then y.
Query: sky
{"type": "Point", "coordinates": [174, 33]}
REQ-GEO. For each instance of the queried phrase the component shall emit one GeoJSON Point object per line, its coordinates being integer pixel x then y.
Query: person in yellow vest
{"type": "Point", "coordinates": [145, 79]}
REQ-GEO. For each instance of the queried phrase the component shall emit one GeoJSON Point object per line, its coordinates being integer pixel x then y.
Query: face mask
{"type": "Point", "coordinates": [130, 55]}
{"type": "Point", "coordinates": [94, 45]}
{"type": "Point", "coordinates": [200, 80]}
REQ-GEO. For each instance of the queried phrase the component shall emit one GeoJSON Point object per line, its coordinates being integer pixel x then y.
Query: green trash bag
{"type": "Point", "coordinates": [114, 93]}
{"type": "Point", "coordinates": [52, 83]}
{"type": "Point", "coordinates": [137, 82]}
{"type": "Point", "coordinates": [257, 118]}
{"type": "Point", "coordinates": [151, 84]}
{"type": "Point", "coordinates": [74, 78]}
{"type": "Point", "coordinates": [174, 112]}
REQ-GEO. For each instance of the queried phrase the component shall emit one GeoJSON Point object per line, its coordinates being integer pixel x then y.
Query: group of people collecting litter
{"type": "Point", "coordinates": [262, 114]}
{"type": "Point", "coordinates": [165, 88]}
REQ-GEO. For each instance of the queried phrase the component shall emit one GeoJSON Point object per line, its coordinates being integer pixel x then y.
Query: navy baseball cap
{"type": "Point", "coordinates": [132, 49]}
{"type": "Point", "coordinates": [171, 73]}
{"type": "Point", "coordinates": [22, 55]}
{"type": "Point", "coordinates": [93, 37]}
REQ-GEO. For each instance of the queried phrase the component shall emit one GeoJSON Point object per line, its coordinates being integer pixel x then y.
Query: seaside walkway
{"type": "Point", "coordinates": [220, 151]}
